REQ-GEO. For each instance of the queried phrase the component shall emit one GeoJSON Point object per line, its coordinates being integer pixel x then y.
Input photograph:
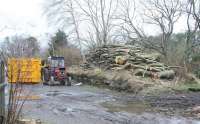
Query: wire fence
{"type": "Point", "coordinates": [2, 89]}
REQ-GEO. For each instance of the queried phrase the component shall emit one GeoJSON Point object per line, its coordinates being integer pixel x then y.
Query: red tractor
{"type": "Point", "coordinates": [54, 71]}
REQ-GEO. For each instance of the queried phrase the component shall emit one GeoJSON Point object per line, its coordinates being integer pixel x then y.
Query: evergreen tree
{"type": "Point", "coordinates": [57, 42]}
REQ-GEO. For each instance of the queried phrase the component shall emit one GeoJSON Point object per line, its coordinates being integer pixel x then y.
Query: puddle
{"type": "Point", "coordinates": [56, 93]}
{"type": "Point", "coordinates": [76, 105]}
{"type": "Point", "coordinates": [53, 94]}
{"type": "Point", "coordinates": [130, 107]}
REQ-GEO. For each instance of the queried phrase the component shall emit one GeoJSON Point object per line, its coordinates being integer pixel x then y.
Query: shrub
{"type": "Point", "coordinates": [72, 55]}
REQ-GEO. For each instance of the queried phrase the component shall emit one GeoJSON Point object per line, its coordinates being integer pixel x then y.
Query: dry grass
{"type": "Point", "coordinates": [72, 55]}
{"type": "Point", "coordinates": [122, 80]}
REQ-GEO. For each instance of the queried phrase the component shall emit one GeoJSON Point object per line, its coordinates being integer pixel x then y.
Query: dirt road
{"type": "Point", "coordinates": [90, 105]}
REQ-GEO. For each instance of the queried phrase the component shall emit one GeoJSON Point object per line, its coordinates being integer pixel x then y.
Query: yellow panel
{"type": "Point", "coordinates": [24, 70]}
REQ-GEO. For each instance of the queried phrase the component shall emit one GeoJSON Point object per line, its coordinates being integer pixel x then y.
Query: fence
{"type": "Point", "coordinates": [2, 89]}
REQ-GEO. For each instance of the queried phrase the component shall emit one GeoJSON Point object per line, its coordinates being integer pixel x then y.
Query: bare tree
{"type": "Point", "coordinates": [93, 17]}
{"type": "Point", "coordinates": [100, 16]}
{"type": "Point", "coordinates": [63, 13]}
{"type": "Point", "coordinates": [18, 46]}
{"type": "Point", "coordinates": [193, 21]}
{"type": "Point", "coordinates": [164, 14]}
{"type": "Point", "coordinates": [128, 20]}
{"type": "Point", "coordinates": [195, 11]}
{"type": "Point", "coordinates": [192, 10]}
{"type": "Point", "coordinates": [75, 22]}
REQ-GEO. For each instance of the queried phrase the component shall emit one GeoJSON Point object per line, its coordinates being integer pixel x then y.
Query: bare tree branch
{"type": "Point", "coordinates": [164, 14]}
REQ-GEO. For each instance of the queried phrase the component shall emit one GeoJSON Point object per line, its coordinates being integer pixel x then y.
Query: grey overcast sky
{"type": "Point", "coordinates": [22, 17]}
{"type": "Point", "coordinates": [25, 17]}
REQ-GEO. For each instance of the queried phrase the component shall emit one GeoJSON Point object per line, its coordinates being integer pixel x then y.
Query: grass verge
{"type": "Point", "coordinates": [187, 87]}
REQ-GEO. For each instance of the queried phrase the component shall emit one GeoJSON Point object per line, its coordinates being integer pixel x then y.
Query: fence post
{"type": "Point", "coordinates": [2, 89]}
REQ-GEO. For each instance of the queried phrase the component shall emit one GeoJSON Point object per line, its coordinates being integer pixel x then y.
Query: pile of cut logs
{"type": "Point", "coordinates": [129, 57]}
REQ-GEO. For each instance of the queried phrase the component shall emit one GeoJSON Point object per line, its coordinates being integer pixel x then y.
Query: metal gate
{"type": "Point", "coordinates": [2, 89]}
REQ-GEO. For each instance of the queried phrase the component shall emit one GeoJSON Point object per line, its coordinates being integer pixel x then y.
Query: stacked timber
{"type": "Point", "coordinates": [129, 57]}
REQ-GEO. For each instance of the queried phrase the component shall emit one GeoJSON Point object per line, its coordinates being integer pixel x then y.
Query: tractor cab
{"type": "Point", "coordinates": [54, 71]}
{"type": "Point", "coordinates": [56, 62]}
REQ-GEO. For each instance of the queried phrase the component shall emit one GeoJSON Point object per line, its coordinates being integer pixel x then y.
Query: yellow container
{"type": "Point", "coordinates": [24, 70]}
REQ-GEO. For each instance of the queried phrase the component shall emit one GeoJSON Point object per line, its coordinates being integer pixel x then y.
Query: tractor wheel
{"type": "Point", "coordinates": [62, 82]}
{"type": "Point", "coordinates": [45, 76]}
{"type": "Point", "coordinates": [1, 119]}
{"type": "Point", "coordinates": [68, 82]}
{"type": "Point", "coordinates": [52, 81]}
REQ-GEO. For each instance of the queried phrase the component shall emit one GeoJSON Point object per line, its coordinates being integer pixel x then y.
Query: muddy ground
{"type": "Point", "coordinates": [91, 105]}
